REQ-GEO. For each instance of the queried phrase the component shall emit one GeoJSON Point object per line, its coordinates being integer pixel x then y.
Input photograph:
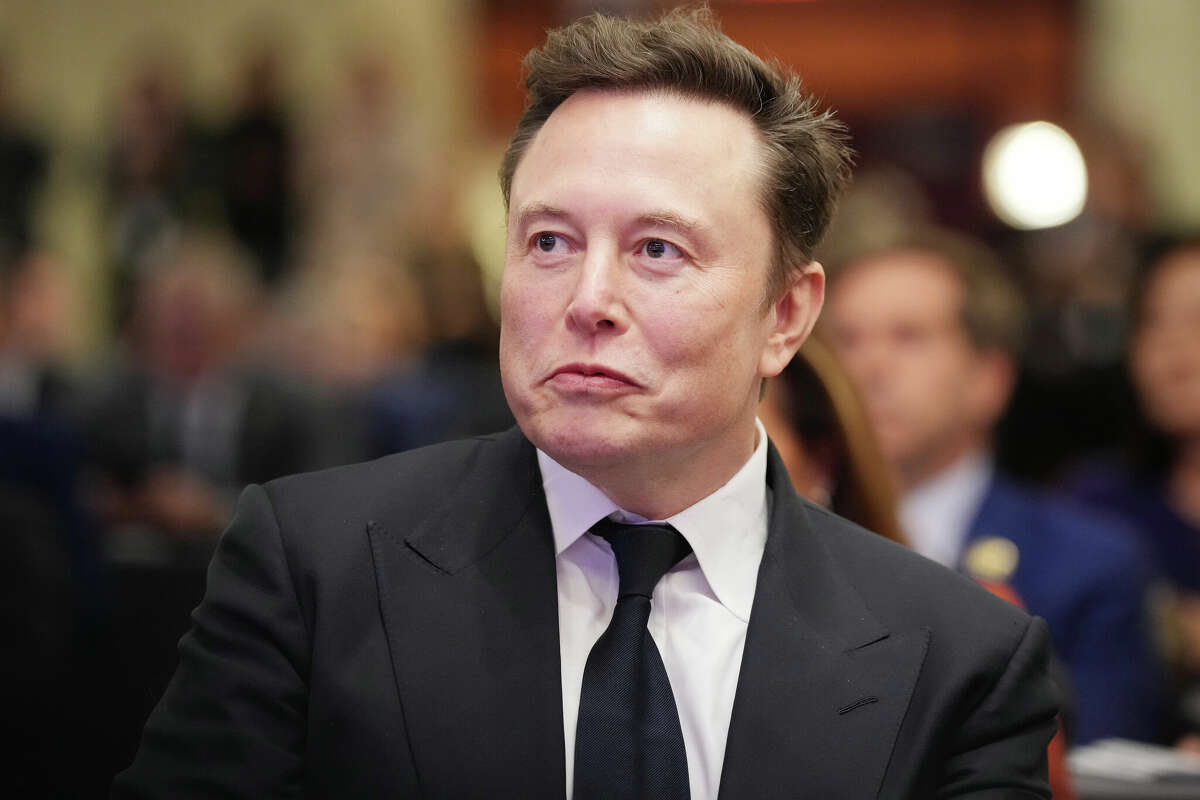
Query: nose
{"type": "Point", "coordinates": [597, 304]}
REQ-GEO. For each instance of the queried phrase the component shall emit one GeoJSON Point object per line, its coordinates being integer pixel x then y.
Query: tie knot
{"type": "Point", "coordinates": [644, 553]}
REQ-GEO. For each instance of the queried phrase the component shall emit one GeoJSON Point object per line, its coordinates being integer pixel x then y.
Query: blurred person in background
{"type": "Point", "coordinates": [1156, 485]}
{"type": "Point", "coordinates": [363, 314]}
{"type": "Point", "coordinates": [817, 422]}
{"type": "Point", "coordinates": [258, 166]}
{"type": "Point", "coordinates": [37, 307]}
{"type": "Point", "coordinates": [359, 172]}
{"type": "Point", "coordinates": [403, 347]}
{"type": "Point", "coordinates": [346, 323]}
{"type": "Point", "coordinates": [157, 175]}
{"type": "Point", "coordinates": [451, 389]}
{"type": "Point", "coordinates": [930, 329]}
{"type": "Point", "coordinates": [53, 598]}
{"type": "Point", "coordinates": [23, 166]}
{"type": "Point", "coordinates": [183, 419]}
{"type": "Point", "coordinates": [36, 401]}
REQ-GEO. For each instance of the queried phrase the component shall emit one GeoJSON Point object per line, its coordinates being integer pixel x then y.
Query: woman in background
{"type": "Point", "coordinates": [1155, 487]}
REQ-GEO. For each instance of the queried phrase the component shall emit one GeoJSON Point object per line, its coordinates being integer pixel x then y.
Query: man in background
{"type": "Point", "coordinates": [930, 329]}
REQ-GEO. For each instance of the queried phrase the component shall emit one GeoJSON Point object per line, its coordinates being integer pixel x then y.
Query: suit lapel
{"type": "Point", "coordinates": [823, 687]}
{"type": "Point", "coordinates": [469, 604]}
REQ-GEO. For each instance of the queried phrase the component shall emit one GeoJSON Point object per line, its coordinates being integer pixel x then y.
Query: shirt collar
{"type": "Point", "coordinates": [937, 514]}
{"type": "Point", "coordinates": [727, 529]}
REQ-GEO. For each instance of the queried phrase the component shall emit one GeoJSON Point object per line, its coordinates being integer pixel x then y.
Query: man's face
{"type": "Point", "coordinates": [633, 324]}
{"type": "Point", "coordinates": [896, 322]}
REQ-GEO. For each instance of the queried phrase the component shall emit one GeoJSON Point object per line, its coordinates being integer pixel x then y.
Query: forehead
{"type": "Point", "coordinates": [647, 143]}
{"type": "Point", "coordinates": [913, 284]}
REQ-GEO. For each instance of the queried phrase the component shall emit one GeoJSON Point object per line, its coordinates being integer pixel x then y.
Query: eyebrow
{"type": "Point", "coordinates": [669, 219]}
{"type": "Point", "coordinates": [536, 210]}
{"type": "Point", "coordinates": [658, 217]}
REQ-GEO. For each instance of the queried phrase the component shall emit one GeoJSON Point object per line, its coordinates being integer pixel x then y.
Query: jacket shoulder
{"type": "Point", "coordinates": [405, 487]}
{"type": "Point", "coordinates": [903, 588]}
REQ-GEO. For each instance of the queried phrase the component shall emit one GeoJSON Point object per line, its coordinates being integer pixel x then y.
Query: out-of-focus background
{"type": "Point", "coordinates": [243, 238]}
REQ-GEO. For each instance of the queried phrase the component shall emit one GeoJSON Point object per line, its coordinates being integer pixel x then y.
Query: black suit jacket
{"type": "Point", "coordinates": [390, 629]}
{"type": "Point", "coordinates": [272, 430]}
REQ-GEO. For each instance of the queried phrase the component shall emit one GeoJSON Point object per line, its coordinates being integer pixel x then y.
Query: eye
{"type": "Point", "coordinates": [549, 242]}
{"type": "Point", "coordinates": [659, 248]}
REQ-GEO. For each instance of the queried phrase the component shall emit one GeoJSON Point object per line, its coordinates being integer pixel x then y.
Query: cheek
{"type": "Point", "coordinates": [697, 324]}
{"type": "Point", "coordinates": [937, 372]}
{"type": "Point", "coordinates": [713, 354]}
{"type": "Point", "coordinates": [918, 395]}
{"type": "Point", "coordinates": [1143, 367]}
{"type": "Point", "coordinates": [1153, 378]}
{"type": "Point", "coordinates": [524, 306]}
{"type": "Point", "coordinates": [517, 335]}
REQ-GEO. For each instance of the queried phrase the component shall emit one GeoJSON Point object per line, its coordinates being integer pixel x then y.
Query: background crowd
{"type": "Point", "coordinates": [269, 283]}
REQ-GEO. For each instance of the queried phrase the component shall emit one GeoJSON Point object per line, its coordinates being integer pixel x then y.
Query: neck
{"type": "Point", "coordinates": [1183, 483]}
{"type": "Point", "coordinates": [915, 472]}
{"type": "Point", "coordinates": [659, 488]}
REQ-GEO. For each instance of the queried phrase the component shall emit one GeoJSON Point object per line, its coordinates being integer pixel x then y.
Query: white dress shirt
{"type": "Point", "coordinates": [699, 610]}
{"type": "Point", "coordinates": [937, 515]}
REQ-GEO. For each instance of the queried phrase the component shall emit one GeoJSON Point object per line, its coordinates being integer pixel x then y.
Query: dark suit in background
{"type": "Point", "coordinates": [54, 607]}
{"type": "Point", "coordinates": [262, 427]}
{"type": "Point", "coordinates": [1089, 579]}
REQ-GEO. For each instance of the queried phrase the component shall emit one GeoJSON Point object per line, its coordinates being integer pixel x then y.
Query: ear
{"type": "Point", "coordinates": [791, 319]}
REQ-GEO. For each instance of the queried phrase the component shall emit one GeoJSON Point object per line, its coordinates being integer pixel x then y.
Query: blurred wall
{"type": "Point", "coordinates": [1141, 67]}
{"type": "Point", "coordinates": [68, 60]}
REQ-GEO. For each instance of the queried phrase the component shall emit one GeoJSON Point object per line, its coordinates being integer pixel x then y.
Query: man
{"type": "Point", "coordinates": [430, 624]}
{"type": "Point", "coordinates": [930, 329]}
{"type": "Point", "coordinates": [178, 424]}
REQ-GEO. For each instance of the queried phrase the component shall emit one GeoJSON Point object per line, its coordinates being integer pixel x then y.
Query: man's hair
{"type": "Point", "coordinates": [993, 312]}
{"type": "Point", "coordinates": [807, 160]}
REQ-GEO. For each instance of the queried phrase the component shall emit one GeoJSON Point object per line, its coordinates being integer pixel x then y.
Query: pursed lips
{"type": "Point", "coordinates": [590, 377]}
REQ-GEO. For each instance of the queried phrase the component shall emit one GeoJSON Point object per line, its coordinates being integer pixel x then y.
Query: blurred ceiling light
{"type": "Point", "coordinates": [1034, 176]}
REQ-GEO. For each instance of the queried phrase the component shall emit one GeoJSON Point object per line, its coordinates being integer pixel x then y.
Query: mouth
{"type": "Point", "coordinates": [590, 377]}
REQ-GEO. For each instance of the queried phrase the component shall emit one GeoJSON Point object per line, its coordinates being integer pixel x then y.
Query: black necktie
{"type": "Point", "coordinates": [628, 743]}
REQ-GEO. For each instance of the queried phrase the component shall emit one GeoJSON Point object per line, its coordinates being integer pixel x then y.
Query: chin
{"type": "Point", "coordinates": [573, 450]}
{"type": "Point", "coordinates": [578, 443]}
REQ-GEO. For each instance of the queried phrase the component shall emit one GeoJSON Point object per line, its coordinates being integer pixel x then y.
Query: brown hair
{"type": "Point", "coordinates": [821, 406]}
{"type": "Point", "coordinates": [807, 161]}
{"type": "Point", "coordinates": [993, 311]}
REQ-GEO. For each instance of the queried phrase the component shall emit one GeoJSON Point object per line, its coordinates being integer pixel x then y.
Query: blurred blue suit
{"type": "Point", "coordinates": [1089, 579]}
